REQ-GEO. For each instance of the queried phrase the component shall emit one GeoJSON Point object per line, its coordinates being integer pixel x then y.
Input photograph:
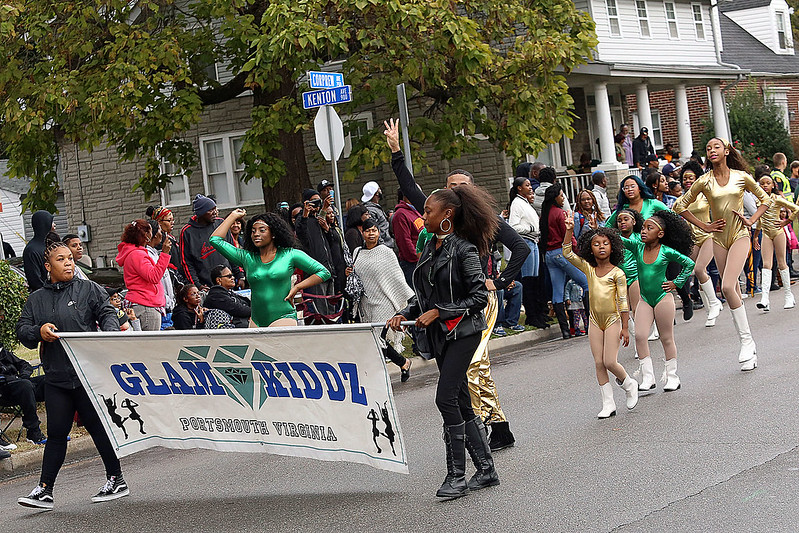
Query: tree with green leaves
{"type": "Point", "coordinates": [135, 75]}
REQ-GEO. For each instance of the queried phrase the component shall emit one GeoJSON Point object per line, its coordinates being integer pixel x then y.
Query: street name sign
{"type": "Point", "coordinates": [338, 95]}
{"type": "Point", "coordinates": [325, 80]}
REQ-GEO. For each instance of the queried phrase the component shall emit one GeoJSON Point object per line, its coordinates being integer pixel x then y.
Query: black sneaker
{"type": "Point", "coordinates": [114, 488]}
{"type": "Point", "coordinates": [39, 498]}
{"type": "Point", "coordinates": [4, 454]}
{"type": "Point", "coordinates": [36, 436]}
{"type": "Point", "coordinates": [5, 445]}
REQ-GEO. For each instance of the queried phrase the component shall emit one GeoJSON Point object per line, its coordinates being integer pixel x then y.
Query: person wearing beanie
{"type": "Point", "coordinates": [197, 256]}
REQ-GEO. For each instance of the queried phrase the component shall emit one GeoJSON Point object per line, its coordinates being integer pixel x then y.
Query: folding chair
{"type": "Point", "coordinates": [8, 407]}
{"type": "Point", "coordinates": [319, 309]}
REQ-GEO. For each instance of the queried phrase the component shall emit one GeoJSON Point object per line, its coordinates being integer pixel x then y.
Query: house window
{"type": "Point", "coordinates": [355, 126]}
{"type": "Point", "coordinates": [782, 35]}
{"type": "Point", "coordinates": [699, 21]}
{"type": "Point", "coordinates": [671, 19]}
{"type": "Point", "coordinates": [176, 192]}
{"type": "Point", "coordinates": [613, 18]}
{"type": "Point", "coordinates": [222, 171]}
{"type": "Point", "coordinates": [643, 18]}
{"type": "Point", "coordinates": [656, 133]}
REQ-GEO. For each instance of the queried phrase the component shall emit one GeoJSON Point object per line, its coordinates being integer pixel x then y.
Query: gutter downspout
{"type": "Point", "coordinates": [715, 26]}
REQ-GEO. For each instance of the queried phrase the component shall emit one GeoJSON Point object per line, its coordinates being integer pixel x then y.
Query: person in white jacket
{"type": "Point", "coordinates": [600, 191]}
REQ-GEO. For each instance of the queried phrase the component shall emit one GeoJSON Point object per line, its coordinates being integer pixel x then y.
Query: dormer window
{"type": "Point", "coordinates": [782, 34]}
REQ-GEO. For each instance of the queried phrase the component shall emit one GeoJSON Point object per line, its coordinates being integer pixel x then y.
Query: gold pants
{"type": "Point", "coordinates": [481, 387]}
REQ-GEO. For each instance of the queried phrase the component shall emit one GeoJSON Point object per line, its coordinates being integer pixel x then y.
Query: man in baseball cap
{"type": "Point", "coordinates": [642, 147]}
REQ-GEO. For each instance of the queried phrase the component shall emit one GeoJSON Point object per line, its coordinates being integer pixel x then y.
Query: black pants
{"type": "Point", "coordinates": [61, 406]}
{"type": "Point", "coordinates": [25, 393]}
{"type": "Point", "coordinates": [393, 355]}
{"type": "Point", "coordinates": [452, 392]}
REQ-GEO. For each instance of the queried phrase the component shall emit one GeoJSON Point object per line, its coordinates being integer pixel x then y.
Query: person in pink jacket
{"type": "Point", "coordinates": [143, 275]}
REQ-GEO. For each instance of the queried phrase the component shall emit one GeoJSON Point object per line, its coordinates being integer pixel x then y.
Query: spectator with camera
{"type": "Point", "coordinates": [314, 233]}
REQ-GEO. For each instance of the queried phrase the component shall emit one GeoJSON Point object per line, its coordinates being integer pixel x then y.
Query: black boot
{"type": "Point", "coordinates": [501, 437]}
{"type": "Point", "coordinates": [454, 485]}
{"type": "Point", "coordinates": [477, 445]}
{"type": "Point", "coordinates": [563, 319]}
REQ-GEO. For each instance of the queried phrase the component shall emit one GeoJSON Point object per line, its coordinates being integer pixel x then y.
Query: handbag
{"type": "Point", "coordinates": [354, 286]}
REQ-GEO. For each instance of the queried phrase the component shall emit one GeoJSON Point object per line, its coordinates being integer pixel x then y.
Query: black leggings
{"type": "Point", "coordinates": [61, 405]}
{"type": "Point", "coordinates": [452, 393]}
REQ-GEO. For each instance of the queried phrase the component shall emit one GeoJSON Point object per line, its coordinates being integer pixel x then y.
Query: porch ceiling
{"type": "Point", "coordinates": [628, 76]}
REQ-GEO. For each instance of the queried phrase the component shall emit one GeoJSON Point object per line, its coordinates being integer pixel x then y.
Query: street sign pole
{"type": "Point", "coordinates": [334, 160]}
{"type": "Point", "coordinates": [403, 111]}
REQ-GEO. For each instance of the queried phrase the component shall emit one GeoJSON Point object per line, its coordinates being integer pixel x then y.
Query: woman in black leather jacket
{"type": "Point", "coordinates": [449, 302]}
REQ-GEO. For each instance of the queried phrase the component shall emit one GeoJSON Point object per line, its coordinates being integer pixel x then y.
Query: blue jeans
{"type": "Point", "coordinates": [510, 306]}
{"type": "Point", "coordinates": [559, 270]}
{"type": "Point", "coordinates": [530, 265]}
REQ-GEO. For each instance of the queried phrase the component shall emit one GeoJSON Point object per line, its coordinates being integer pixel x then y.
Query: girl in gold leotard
{"type": "Point", "coordinates": [600, 251]}
{"type": "Point", "coordinates": [702, 252]}
{"type": "Point", "coordinates": [724, 188]}
{"type": "Point", "coordinates": [774, 241]}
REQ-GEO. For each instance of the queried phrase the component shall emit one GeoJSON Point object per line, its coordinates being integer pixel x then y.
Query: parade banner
{"type": "Point", "coordinates": [317, 391]}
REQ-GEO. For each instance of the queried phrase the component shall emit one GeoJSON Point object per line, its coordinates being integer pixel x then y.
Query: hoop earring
{"type": "Point", "coordinates": [441, 225]}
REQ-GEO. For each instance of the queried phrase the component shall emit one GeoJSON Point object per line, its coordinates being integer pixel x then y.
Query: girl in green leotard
{"type": "Point", "coordinates": [269, 258]}
{"type": "Point", "coordinates": [665, 238]}
{"type": "Point", "coordinates": [629, 224]}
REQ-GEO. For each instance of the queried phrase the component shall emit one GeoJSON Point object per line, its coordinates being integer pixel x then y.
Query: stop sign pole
{"type": "Point", "coordinates": [336, 154]}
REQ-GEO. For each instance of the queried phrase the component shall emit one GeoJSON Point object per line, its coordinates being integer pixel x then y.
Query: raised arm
{"type": "Point", "coordinates": [568, 253]}
{"type": "Point", "coordinates": [405, 178]}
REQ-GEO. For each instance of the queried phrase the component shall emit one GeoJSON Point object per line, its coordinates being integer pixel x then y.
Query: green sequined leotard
{"type": "Point", "coordinates": [270, 282]}
{"type": "Point", "coordinates": [652, 275]}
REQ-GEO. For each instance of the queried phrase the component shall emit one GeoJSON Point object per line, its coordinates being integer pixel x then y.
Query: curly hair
{"type": "Point", "coordinates": [616, 246]}
{"type": "Point", "coordinates": [691, 166]}
{"type": "Point", "coordinates": [639, 220]}
{"type": "Point", "coordinates": [676, 232]}
{"type": "Point", "coordinates": [136, 232]}
{"type": "Point", "coordinates": [473, 219]}
{"type": "Point", "coordinates": [282, 235]}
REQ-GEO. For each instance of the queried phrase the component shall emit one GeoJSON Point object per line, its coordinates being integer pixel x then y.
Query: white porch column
{"type": "Point", "coordinates": [719, 112]}
{"type": "Point", "coordinates": [607, 149]}
{"type": "Point", "coordinates": [683, 121]}
{"type": "Point", "coordinates": [643, 109]}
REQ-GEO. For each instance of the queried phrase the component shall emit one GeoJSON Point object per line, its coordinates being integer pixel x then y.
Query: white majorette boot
{"type": "Point", "coordinates": [631, 323]}
{"type": "Point", "coordinates": [647, 374]}
{"type": "Point", "coordinates": [765, 285]}
{"type": "Point", "coordinates": [655, 335]}
{"type": "Point", "coordinates": [608, 405]}
{"type": "Point", "coordinates": [671, 381]}
{"type": "Point", "coordinates": [630, 387]}
{"type": "Point", "coordinates": [712, 303]}
{"type": "Point", "coordinates": [790, 302]}
{"type": "Point", "coordinates": [748, 354]}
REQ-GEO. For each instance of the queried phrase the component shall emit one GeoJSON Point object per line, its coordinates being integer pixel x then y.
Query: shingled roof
{"type": "Point", "coordinates": [742, 49]}
{"type": "Point", "coordinates": [738, 5]}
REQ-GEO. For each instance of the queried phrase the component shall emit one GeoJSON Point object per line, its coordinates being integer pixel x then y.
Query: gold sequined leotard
{"type": "Point", "coordinates": [723, 200]}
{"type": "Point", "coordinates": [770, 221]}
{"type": "Point", "coordinates": [608, 292]}
{"type": "Point", "coordinates": [700, 208]}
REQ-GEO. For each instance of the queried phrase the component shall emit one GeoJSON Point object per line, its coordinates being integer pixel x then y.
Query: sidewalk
{"type": "Point", "coordinates": [81, 447]}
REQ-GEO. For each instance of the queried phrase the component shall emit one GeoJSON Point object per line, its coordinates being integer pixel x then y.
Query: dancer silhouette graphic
{"type": "Point", "coordinates": [389, 431]}
{"type": "Point", "coordinates": [375, 432]}
{"type": "Point", "coordinates": [130, 405]}
{"type": "Point", "coordinates": [111, 407]}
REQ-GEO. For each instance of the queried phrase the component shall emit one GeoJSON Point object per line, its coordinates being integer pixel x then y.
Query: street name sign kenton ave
{"type": "Point", "coordinates": [325, 80]}
{"type": "Point", "coordinates": [338, 95]}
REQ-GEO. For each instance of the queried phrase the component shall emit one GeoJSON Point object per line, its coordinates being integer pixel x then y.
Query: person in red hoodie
{"type": "Point", "coordinates": [406, 225]}
{"type": "Point", "coordinates": [143, 275]}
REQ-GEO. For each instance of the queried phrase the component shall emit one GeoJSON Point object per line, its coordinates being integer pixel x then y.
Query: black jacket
{"type": "Point", "coordinates": [33, 254]}
{"type": "Point", "coordinates": [74, 305]}
{"type": "Point", "coordinates": [506, 235]}
{"type": "Point", "coordinates": [12, 367]}
{"type": "Point", "coordinates": [316, 241]}
{"type": "Point", "coordinates": [641, 149]}
{"type": "Point", "coordinates": [185, 318]}
{"type": "Point", "coordinates": [197, 256]}
{"type": "Point", "coordinates": [231, 303]}
{"type": "Point", "coordinates": [457, 289]}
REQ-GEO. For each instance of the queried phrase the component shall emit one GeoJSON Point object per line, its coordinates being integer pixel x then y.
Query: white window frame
{"type": "Point", "coordinates": [643, 22]}
{"type": "Point", "coordinates": [478, 136]}
{"type": "Point", "coordinates": [230, 169]}
{"type": "Point", "coordinates": [782, 19]}
{"type": "Point", "coordinates": [186, 200]}
{"type": "Point", "coordinates": [356, 117]}
{"type": "Point", "coordinates": [657, 126]}
{"type": "Point", "coordinates": [699, 25]}
{"type": "Point", "coordinates": [611, 5]}
{"type": "Point", "coordinates": [671, 22]}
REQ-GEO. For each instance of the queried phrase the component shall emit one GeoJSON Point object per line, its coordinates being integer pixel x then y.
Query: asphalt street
{"type": "Point", "coordinates": [720, 454]}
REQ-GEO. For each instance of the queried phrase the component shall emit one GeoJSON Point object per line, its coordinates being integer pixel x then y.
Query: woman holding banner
{"type": "Point", "coordinates": [67, 304]}
{"type": "Point", "coordinates": [449, 302]}
{"type": "Point", "coordinates": [269, 258]}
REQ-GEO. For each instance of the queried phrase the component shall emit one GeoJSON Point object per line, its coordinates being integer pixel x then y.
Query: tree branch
{"type": "Point", "coordinates": [223, 93]}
